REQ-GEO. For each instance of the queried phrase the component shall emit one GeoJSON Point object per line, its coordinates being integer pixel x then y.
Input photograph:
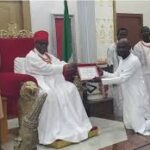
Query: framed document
{"type": "Point", "coordinates": [87, 72]}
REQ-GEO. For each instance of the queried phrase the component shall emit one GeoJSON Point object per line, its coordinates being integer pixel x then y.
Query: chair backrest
{"type": "Point", "coordinates": [10, 48]}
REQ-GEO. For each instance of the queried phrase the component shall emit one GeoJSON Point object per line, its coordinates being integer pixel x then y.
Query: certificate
{"type": "Point", "coordinates": [87, 72]}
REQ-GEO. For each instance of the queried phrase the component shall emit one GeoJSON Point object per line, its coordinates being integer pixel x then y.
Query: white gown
{"type": "Point", "coordinates": [112, 57]}
{"type": "Point", "coordinates": [115, 90]}
{"type": "Point", "coordinates": [63, 115]}
{"type": "Point", "coordinates": [142, 50]}
{"type": "Point", "coordinates": [136, 98]}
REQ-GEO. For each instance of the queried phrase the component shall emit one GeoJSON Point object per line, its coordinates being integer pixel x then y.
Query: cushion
{"type": "Point", "coordinates": [10, 84]}
{"type": "Point", "coordinates": [12, 48]}
{"type": "Point", "coordinates": [19, 65]}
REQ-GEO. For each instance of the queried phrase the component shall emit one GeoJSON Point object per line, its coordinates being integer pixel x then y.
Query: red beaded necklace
{"type": "Point", "coordinates": [145, 44]}
{"type": "Point", "coordinates": [47, 59]}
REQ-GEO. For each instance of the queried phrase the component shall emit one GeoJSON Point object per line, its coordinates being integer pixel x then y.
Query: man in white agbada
{"type": "Point", "coordinates": [63, 115]}
{"type": "Point", "coordinates": [142, 50]}
{"type": "Point", "coordinates": [112, 62]}
{"type": "Point", "coordinates": [135, 96]}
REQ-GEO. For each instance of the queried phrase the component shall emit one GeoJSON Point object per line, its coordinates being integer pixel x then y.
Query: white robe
{"type": "Point", "coordinates": [63, 115]}
{"type": "Point", "coordinates": [112, 57]}
{"type": "Point", "coordinates": [115, 90]}
{"type": "Point", "coordinates": [136, 98]}
{"type": "Point", "coordinates": [142, 50]}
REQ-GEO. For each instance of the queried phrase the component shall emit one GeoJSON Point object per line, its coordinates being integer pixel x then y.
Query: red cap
{"type": "Point", "coordinates": [41, 36]}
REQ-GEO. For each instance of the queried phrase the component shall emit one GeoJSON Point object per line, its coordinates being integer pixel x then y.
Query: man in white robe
{"type": "Point", "coordinates": [113, 61]}
{"type": "Point", "coordinates": [135, 96]}
{"type": "Point", "coordinates": [142, 50]}
{"type": "Point", "coordinates": [112, 57]}
{"type": "Point", "coordinates": [63, 115]}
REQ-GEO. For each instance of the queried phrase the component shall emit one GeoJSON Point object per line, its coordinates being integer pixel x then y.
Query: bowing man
{"type": "Point", "coordinates": [63, 115]}
{"type": "Point", "coordinates": [135, 95]}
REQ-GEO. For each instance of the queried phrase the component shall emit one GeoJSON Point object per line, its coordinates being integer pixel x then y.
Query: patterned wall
{"type": "Point", "coordinates": [104, 27]}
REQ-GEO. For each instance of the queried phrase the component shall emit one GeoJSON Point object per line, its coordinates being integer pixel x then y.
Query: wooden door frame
{"type": "Point", "coordinates": [130, 16]}
{"type": "Point", "coordinates": [54, 42]}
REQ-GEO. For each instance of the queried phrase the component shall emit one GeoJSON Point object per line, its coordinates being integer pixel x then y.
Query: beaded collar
{"type": "Point", "coordinates": [145, 44]}
{"type": "Point", "coordinates": [45, 57]}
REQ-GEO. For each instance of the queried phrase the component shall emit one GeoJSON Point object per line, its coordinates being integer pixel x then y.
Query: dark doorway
{"type": "Point", "coordinates": [133, 22]}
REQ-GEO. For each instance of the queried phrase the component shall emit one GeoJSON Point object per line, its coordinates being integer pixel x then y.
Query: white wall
{"type": "Point", "coordinates": [136, 7]}
{"type": "Point", "coordinates": [104, 27]}
{"type": "Point", "coordinates": [87, 27]}
{"type": "Point", "coordinates": [41, 11]}
{"type": "Point", "coordinates": [41, 19]}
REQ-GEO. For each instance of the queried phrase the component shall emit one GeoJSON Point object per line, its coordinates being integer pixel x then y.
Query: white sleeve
{"type": "Point", "coordinates": [138, 52]}
{"type": "Point", "coordinates": [110, 56]}
{"type": "Point", "coordinates": [118, 78]}
{"type": "Point", "coordinates": [57, 60]}
{"type": "Point", "coordinates": [35, 65]}
{"type": "Point", "coordinates": [19, 65]}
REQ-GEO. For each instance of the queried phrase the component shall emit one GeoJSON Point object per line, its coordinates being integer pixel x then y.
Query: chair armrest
{"type": "Point", "coordinates": [69, 75]}
{"type": "Point", "coordinates": [10, 83]}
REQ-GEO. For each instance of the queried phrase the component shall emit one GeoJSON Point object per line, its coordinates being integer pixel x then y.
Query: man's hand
{"type": "Point", "coordinates": [71, 66]}
{"type": "Point", "coordinates": [96, 79]}
{"type": "Point", "coordinates": [100, 71]}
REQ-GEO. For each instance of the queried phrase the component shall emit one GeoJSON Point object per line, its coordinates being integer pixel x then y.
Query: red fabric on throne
{"type": "Point", "coordinates": [12, 48]}
{"type": "Point", "coordinates": [10, 82]}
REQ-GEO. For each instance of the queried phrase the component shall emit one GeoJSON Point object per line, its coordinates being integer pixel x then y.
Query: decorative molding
{"type": "Point", "coordinates": [13, 32]}
{"type": "Point", "coordinates": [87, 31]}
{"type": "Point", "coordinates": [104, 18]}
{"type": "Point", "coordinates": [26, 14]}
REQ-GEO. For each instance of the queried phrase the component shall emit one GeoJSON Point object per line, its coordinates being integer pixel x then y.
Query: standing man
{"type": "Point", "coordinates": [113, 61]}
{"type": "Point", "coordinates": [112, 57]}
{"type": "Point", "coordinates": [63, 115]}
{"type": "Point", "coordinates": [135, 96]}
{"type": "Point", "coordinates": [142, 50]}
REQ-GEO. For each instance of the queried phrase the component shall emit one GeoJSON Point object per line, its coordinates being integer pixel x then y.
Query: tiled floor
{"type": "Point", "coordinates": [134, 142]}
{"type": "Point", "coordinates": [111, 132]}
{"type": "Point", "coordinates": [112, 136]}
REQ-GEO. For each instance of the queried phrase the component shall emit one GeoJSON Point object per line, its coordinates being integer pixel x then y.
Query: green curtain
{"type": "Point", "coordinates": [67, 37]}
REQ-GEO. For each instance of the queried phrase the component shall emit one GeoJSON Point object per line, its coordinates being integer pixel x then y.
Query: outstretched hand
{"type": "Point", "coordinates": [96, 79]}
{"type": "Point", "coordinates": [72, 67]}
{"type": "Point", "coordinates": [100, 71]}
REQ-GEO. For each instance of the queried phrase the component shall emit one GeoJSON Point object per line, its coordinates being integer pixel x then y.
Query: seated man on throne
{"type": "Point", "coordinates": [63, 115]}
